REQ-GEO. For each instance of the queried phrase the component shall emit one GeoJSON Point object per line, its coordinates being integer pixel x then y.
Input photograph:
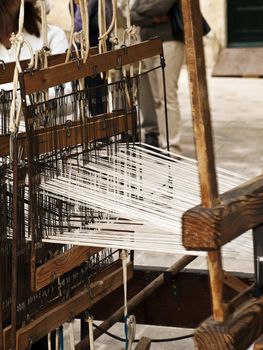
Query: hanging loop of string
{"type": "Point", "coordinates": [71, 36]}
{"type": "Point", "coordinates": [71, 336]}
{"type": "Point", "coordinates": [45, 51]}
{"type": "Point", "coordinates": [85, 43]}
{"type": "Point", "coordinates": [129, 321]}
{"type": "Point", "coordinates": [17, 40]}
{"type": "Point", "coordinates": [91, 335]}
{"type": "Point", "coordinates": [102, 26]}
{"type": "Point", "coordinates": [130, 33]}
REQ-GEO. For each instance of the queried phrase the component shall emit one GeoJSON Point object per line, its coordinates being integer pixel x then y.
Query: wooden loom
{"type": "Point", "coordinates": [220, 219]}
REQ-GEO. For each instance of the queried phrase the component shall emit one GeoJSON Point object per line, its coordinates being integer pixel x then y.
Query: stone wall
{"type": "Point", "coordinates": [213, 10]}
{"type": "Point", "coordinates": [215, 13]}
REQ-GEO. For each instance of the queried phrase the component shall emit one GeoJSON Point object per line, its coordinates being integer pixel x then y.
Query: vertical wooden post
{"type": "Point", "coordinates": [14, 246]}
{"type": "Point", "coordinates": [258, 256]}
{"type": "Point", "coordinates": [193, 29]}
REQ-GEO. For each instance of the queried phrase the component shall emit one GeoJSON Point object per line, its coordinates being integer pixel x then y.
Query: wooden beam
{"type": "Point", "coordinates": [144, 344]}
{"type": "Point", "coordinates": [239, 210]}
{"type": "Point", "coordinates": [234, 282]}
{"type": "Point", "coordinates": [259, 343]}
{"type": "Point", "coordinates": [64, 311]}
{"type": "Point", "coordinates": [70, 135]}
{"type": "Point", "coordinates": [237, 333]}
{"type": "Point", "coordinates": [46, 78]}
{"type": "Point", "coordinates": [48, 272]}
{"type": "Point", "coordinates": [258, 255]}
{"type": "Point", "coordinates": [7, 69]}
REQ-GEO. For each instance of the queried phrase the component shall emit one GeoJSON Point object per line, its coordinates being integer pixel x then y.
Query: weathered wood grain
{"type": "Point", "coordinates": [259, 343]}
{"type": "Point", "coordinates": [71, 135]}
{"type": "Point", "coordinates": [239, 210]}
{"type": "Point", "coordinates": [234, 282]}
{"type": "Point", "coordinates": [237, 333]}
{"type": "Point", "coordinates": [193, 30]}
{"type": "Point", "coordinates": [48, 272]}
{"type": "Point", "coordinates": [7, 69]}
{"type": "Point", "coordinates": [46, 78]}
{"type": "Point", "coordinates": [144, 344]}
{"type": "Point", "coordinates": [67, 310]}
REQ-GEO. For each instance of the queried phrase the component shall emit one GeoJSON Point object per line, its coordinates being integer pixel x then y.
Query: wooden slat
{"type": "Point", "coordinates": [53, 76]}
{"type": "Point", "coordinates": [239, 62]}
{"type": "Point", "coordinates": [7, 71]}
{"type": "Point", "coordinates": [259, 343]}
{"type": "Point", "coordinates": [238, 333]}
{"type": "Point", "coordinates": [144, 344]}
{"type": "Point", "coordinates": [48, 272]}
{"type": "Point", "coordinates": [234, 282]}
{"type": "Point", "coordinates": [7, 338]}
{"type": "Point", "coordinates": [97, 128]}
{"type": "Point", "coordinates": [64, 311]}
{"type": "Point", "coordinates": [258, 255]}
{"type": "Point", "coordinates": [239, 210]}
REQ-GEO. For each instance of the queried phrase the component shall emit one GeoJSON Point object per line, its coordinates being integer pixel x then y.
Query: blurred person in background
{"type": "Point", "coordinates": [154, 19]}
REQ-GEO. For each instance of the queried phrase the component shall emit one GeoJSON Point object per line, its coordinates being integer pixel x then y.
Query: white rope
{"type": "Point", "coordinates": [83, 4]}
{"type": "Point", "coordinates": [57, 339]}
{"type": "Point", "coordinates": [150, 191]}
{"type": "Point", "coordinates": [130, 33]}
{"type": "Point", "coordinates": [131, 331]}
{"type": "Point", "coordinates": [124, 258]}
{"type": "Point", "coordinates": [91, 334]}
{"type": "Point", "coordinates": [49, 341]}
{"type": "Point", "coordinates": [17, 40]}
{"type": "Point", "coordinates": [71, 35]}
{"type": "Point", "coordinates": [102, 25]}
{"type": "Point", "coordinates": [114, 39]}
{"type": "Point", "coordinates": [71, 336]}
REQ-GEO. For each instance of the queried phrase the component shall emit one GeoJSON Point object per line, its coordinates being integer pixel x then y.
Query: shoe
{"type": "Point", "coordinates": [152, 139]}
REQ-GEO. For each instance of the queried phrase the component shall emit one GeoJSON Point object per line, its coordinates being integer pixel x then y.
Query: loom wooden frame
{"type": "Point", "coordinates": [98, 127]}
{"type": "Point", "coordinates": [220, 217]}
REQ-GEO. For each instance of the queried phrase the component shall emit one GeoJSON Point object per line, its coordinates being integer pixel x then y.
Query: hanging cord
{"type": "Point", "coordinates": [129, 321]}
{"type": "Point", "coordinates": [17, 40]}
{"type": "Point", "coordinates": [129, 37]}
{"type": "Point", "coordinates": [45, 51]}
{"type": "Point", "coordinates": [102, 26]}
{"type": "Point", "coordinates": [71, 36]}
{"type": "Point", "coordinates": [161, 340]}
{"type": "Point", "coordinates": [57, 339]}
{"type": "Point", "coordinates": [49, 341]}
{"type": "Point", "coordinates": [130, 33]}
{"type": "Point", "coordinates": [114, 39]}
{"type": "Point", "coordinates": [91, 335]}
{"type": "Point", "coordinates": [85, 43]}
{"type": "Point", "coordinates": [71, 336]}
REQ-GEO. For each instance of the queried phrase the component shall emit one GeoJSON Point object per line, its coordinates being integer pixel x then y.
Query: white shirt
{"type": "Point", "coordinates": [57, 42]}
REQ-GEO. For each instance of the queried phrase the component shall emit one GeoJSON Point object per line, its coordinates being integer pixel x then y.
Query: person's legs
{"type": "Point", "coordinates": [174, 58]}
{"type": "Point", "coordinates": [149, 117]}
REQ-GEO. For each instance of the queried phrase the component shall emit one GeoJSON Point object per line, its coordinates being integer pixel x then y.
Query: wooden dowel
{"type": "Point", "coordinates": [203, 136]}
{"type": "Point", "coordinates": [144, 344]}
{"type": "Point", "coordinates": [136, 300]}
